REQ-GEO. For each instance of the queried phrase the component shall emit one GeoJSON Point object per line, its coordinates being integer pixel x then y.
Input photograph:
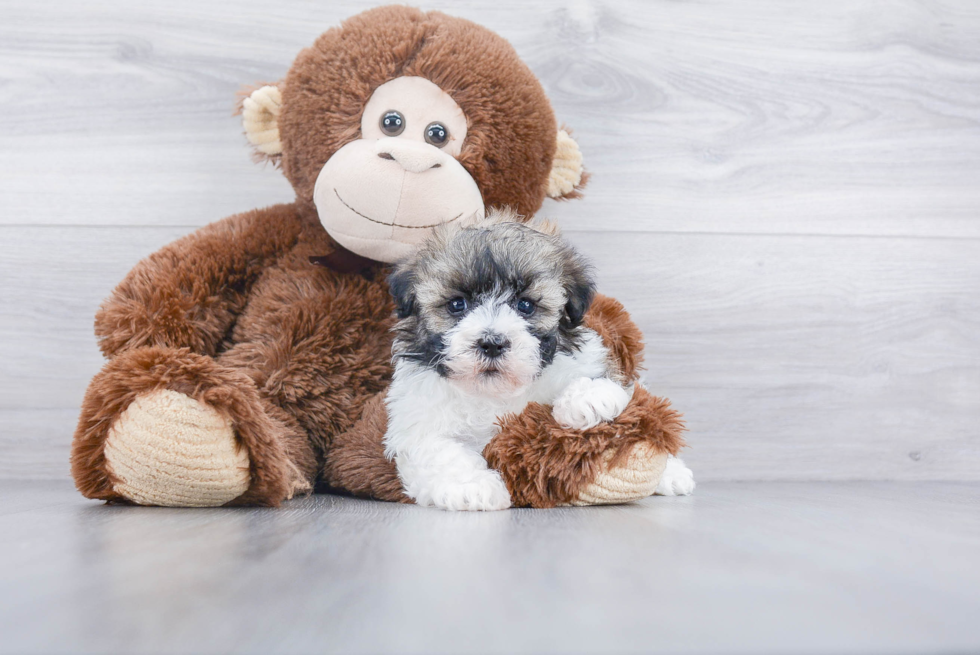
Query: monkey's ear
{"type": "Point", "coordinates": [567, 176]}
{"type": "Point", "coordinates": [402, 285]}
{"type": "Point", "coordinates": [260, 117]}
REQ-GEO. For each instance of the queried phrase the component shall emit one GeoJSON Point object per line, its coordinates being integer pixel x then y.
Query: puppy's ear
{"type": "Point", "coordinates": [579, 289]}
{"type": "Point", "coordinates": [402, 285]}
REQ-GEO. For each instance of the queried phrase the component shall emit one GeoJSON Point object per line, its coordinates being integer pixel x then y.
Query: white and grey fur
{"type": "Point", "coordinates": [458, 372]}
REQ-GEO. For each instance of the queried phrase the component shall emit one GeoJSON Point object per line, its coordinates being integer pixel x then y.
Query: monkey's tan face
{"type": "Point", "coordinates": [384, 193]}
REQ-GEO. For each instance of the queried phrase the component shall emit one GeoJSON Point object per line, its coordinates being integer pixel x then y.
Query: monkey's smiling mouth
{"type": "Point", "coordinates": [393, 224]}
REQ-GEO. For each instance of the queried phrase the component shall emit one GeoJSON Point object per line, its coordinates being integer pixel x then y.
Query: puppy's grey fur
{"type": "Point", "coordinates": [496, 260]}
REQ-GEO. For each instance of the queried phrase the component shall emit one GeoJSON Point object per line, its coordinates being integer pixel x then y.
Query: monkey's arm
{"type": "Point", "coordinates": [189, 293]}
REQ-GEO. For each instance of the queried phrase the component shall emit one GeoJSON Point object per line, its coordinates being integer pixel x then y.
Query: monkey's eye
{"type": "Point", "coordinates": [456, 306]}
{"type": "Point", "coordinates": [525, 306]}
{"type": "Point", "coordinates": [392, 123]}
{"type": "Point", "coordinates": [437, 134]}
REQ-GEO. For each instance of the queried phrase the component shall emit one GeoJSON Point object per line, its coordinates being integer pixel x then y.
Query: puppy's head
{"type": "Point", "coordinates": [489, 305]}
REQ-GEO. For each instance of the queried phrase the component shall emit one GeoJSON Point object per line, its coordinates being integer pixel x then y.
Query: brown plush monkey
{"type": "Point", "coordinates": [248, 360]}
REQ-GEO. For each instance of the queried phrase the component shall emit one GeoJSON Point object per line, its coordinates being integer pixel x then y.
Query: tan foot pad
{"type": "Point", "coordinates": [636, 478]}
{"type": "Point", "coordinates": [169, 449]}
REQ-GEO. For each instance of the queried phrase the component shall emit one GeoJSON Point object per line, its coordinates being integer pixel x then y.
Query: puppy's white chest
{"type": "Point", "coordinates": [477, 420]}
{"type": "Point", "coordinates": [426, 407]}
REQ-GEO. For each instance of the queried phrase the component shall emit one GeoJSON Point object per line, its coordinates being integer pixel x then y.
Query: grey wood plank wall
{"type": "Point", "coordinates": [786, 195]}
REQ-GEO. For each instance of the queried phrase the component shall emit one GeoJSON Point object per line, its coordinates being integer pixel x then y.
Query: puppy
{"type": "Point", "coordinates": [490, 320]}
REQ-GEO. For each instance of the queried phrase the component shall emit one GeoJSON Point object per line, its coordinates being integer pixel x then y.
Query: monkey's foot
{"type": "Point", "coordinates": [165, 426]}
{"type": "Point", "coordinates": [169, 449]}
{"type": "Point", "coordinates": [545, 464]}
{"type": "Point", "coordinates": [635, 478]}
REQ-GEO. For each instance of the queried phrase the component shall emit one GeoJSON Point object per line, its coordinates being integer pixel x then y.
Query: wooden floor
{"type": "Point", "coordinates": [738, 567]}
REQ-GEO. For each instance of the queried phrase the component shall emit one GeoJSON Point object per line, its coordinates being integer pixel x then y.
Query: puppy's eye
{"type": "Point", "coordinates": [525, 306]}
{"type": "Point", "coordinates": [392, 123]}
{"type": "Point", "coordinates": [436, 134]}
{"type": "Point", "coordinates": [456, 306]}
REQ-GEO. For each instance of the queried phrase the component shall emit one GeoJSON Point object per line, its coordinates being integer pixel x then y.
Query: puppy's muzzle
{"type": "Point", "coordinates": [493, 346]}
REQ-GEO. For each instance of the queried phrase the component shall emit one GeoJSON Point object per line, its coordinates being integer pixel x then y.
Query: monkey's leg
{"type": "Point", "coordinates": [164, 426]}
{"type": "Point", "coordinates": [547, 465]}
{"type": "Point", "coordinates": [356, 462]}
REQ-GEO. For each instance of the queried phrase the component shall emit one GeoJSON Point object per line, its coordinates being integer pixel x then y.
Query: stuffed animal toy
{"type": "Point", "coordinates": [247, 362]}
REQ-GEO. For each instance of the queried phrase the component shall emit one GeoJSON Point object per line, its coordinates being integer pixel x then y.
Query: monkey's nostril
{"type": "Point", "coordinates": [412, 158]}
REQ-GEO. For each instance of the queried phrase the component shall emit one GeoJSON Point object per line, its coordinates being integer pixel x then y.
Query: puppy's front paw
{"type": "Point", "coordinates": [485, 493]}
{"type": "Point", "coordinates": [677, 479]}
{"type": "Point", "coordinates": [586, 402]}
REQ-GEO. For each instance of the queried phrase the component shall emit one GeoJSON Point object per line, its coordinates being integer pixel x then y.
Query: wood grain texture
{"type": "Point", "coordinates": [786, 195]}
{"type": "Point", "coordinates": [792, 357]}
{"type": "Point", "coordinates": [739, 568]}
{"type": "Point", "coordinates": [766, 117]}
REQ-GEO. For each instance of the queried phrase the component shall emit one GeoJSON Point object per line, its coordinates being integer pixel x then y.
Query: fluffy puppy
{"type": "Point", "coordinates": [490, 320]}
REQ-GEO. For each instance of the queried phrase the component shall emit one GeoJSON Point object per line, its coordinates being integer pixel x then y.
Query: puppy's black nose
{"type": "Point", "coordinates": [493, 345]}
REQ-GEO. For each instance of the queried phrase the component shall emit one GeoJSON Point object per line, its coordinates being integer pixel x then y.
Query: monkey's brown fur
{"type": "Point", "coordinates": [510, 140]}
{"type": "Point", "coordinates": [545, 465]}
{"type": "Point", "coordinates": [298, 356]}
